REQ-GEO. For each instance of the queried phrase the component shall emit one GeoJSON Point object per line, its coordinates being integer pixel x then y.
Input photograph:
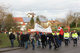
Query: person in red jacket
{"type": "Point", "coordinates": [60, 35]}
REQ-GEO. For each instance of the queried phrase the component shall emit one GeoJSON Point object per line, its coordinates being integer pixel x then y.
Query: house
{"type": "Point", "coordinates": [42, 19]}
{"type": "Point", "coordinates": [54, 23]}
{"type": "Point", "coordinates": [20, 22]}
{"type": "Point", "coordinates": [23, 22]}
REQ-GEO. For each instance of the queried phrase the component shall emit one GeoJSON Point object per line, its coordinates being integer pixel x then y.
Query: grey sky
{"type": "Point", "coordinates": [48, 8]}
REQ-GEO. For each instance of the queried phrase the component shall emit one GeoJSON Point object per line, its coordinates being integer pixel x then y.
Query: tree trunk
{"type": "Point", "coordinates": [76, 22]}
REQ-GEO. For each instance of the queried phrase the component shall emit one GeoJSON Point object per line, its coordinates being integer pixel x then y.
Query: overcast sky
{"type": "Point", "coordinates": [49, 8]}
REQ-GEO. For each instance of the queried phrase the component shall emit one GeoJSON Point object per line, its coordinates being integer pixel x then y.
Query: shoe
{"type": "Point", "coordinates": [33, 49]}
{"type": "Point", "coordinates": [73, 45]}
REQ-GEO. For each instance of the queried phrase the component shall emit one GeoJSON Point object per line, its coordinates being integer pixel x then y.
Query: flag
{"type": "Point", "coordinates": [61, 31]}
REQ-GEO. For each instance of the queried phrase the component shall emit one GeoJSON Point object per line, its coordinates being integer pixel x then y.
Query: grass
{"type": "Point", "coordinates": [5, 42]}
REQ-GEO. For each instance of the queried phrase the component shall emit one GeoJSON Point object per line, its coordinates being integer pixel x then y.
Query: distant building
{"type": "Point", "coordinates": [54, 22]}
{"type": "Point", "coordinates": [21, 23]}
{"type": "Point", "coordinates": [42, 19]}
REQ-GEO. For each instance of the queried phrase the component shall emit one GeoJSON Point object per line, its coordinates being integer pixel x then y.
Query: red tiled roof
{"type": "Point", "coordinates": [18, 19]}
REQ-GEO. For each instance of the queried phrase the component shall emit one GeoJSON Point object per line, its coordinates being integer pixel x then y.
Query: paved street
{"type": "Point", "coordinates": [62, 49]}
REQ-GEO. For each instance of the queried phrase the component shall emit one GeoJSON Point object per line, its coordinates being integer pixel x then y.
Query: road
{"type": "Point", "coordinates": [62, 49]}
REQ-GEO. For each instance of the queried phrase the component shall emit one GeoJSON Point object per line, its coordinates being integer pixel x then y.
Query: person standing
{"type": "Point", "coordinates": [61, 33]}
{"type": "Point", "coordinates": [66, 38]}
{"type": "Point", "coordinates": [43, 40]}
{"type": "Point", "coordinates": [37, 36]}
{"type": "Point", "coordinates": [12, 38]}
{"type": "Point", "coordinates": [32, 38]}
{"type": "Point", "coordinates": [74, 36]}
{"type": "Point", "coordinates": [56, 41]}
{"type": "Point", "coordinates": [26, 39]}
{"type": "Point", "coordinates": [22, 39]}
{"type": "Point", "coordinates": [50, 38]}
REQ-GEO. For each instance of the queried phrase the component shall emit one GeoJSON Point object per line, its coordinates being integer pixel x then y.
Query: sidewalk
{"type": "Point", "coordinates": [8, 49]}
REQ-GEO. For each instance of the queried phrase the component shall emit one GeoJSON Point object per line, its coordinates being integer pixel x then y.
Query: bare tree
{"type": "Point", "coordinates": [69, 18]}
{"type": "Point", "coordinates": [10, 23]}
{"type": "Point", "coordinates": [3, 13]}
{"type": "Point", "coordinates": [73, 17]}
{"type": "Point", "coordinates": [77, 16]}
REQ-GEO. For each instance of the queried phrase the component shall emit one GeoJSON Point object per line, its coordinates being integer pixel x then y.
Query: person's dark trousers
{"type": "Point", "coordinates": [26, 44]}
{"type": "Point", "coordinates": [66, 42]}
{"type": "Point", "coordinates": [33, 44]}
{"type": "Point", "coordinates": [55, 45]}
{"type": "Point", "coordinates": [29, 42]}
{"type": "Point", "coordinates": [60, 39]}
{"type": "Point", "coordinates": [12, 42]}
{"type": "Point", "coordinates": [46, 42]}
{"type": "Point", "coordinates": [60, 42]}
{"type": "Point", "coordinates": [75, 42]}
{"type": "Point", "coordinates": [22, 43]}
{"type": "Point", "coordinates": [50, 46]}
{"type": "Point", "coordinates": [69, 40]}
{"type": "Point", "coordinates": [38, 43]}
{"type": "Point", "coordinates": [78, 37]}
{"type": "Point", "coordinates": [43, 45]}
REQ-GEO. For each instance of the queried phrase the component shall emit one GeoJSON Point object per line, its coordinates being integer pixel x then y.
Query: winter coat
{"type": "Point", "coordinates": [12, 36]}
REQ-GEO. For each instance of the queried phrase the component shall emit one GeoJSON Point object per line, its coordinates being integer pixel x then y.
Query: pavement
{"type": "Point", "coordinates": [69, 49]}
{"type": "Point", "coordinates": [9, 49]}
{"type": "Point", "coordinates": [62, 49]}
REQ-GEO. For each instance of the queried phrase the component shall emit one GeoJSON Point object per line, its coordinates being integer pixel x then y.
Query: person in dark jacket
{"type": "Point", "coordinates": [12, 38]}
{"type": "Point", "coordinates": [18, 39]}
{"type": "Point", "coordinates": [50, 39]}
{"type": "Point", "coordinates": [37, 36]}
{"type": "Point", "coordinates": [56, 41]}
{"type": "Point", "coordinates": [22, 37]}
{"type": "Point", "coordinates": [26, 40]}
{"type": "Point", "coordinates": [43, 40]}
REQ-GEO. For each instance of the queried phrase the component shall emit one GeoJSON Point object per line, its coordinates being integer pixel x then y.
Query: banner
{"type": "Point", "coordinates": [39, 28]}
{"type": "Point", "coordinates": [48, 30]}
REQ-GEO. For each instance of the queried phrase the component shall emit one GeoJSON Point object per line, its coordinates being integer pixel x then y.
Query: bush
{"type": "Point", "coordinates": [5, 42]}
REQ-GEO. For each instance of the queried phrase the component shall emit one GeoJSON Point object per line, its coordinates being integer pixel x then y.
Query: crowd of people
{"type": "Point", "coordinates": [42, 40]}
